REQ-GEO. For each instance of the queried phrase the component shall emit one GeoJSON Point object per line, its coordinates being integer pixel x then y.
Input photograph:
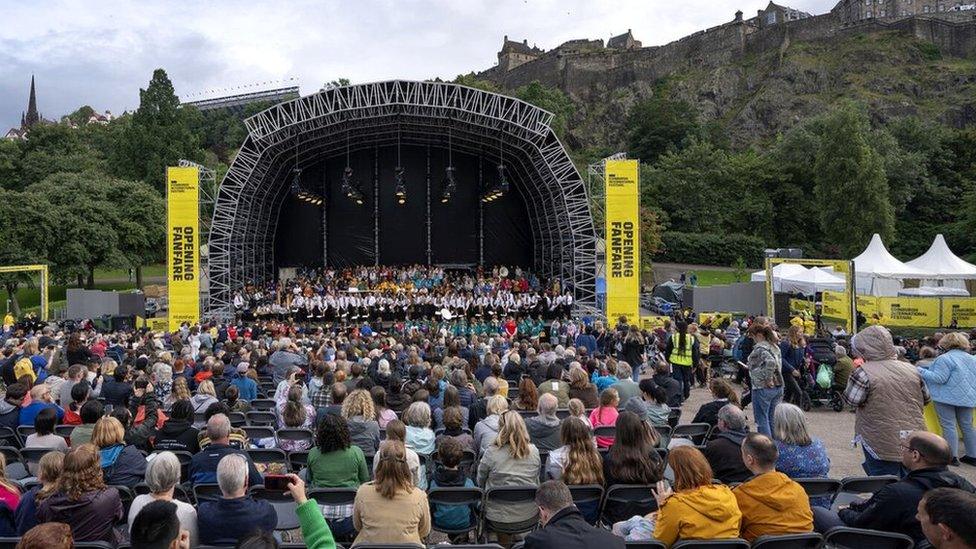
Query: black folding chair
{"type": "Point", "coordinates": [179, 492]}
{"type": "Point", "coordinates": [788, 541]}
{"type": "Point", "coordinates": [662, 453]}
{"type": "Point", "coordinates": [256, 432]}
{"type": "Point", "coordinates": [126, 495]}
{"type": "Point", "coordinates": [263, 404]}
{"type": "Point", "coordinates": [457, 496]}
{"type": "Point", "coordinates": [206, 491]}
{"type": "Point", "coordinates": [64, 430]}
{"type": "Point", "coordinates": [32, 456]}
{"type": "Point", "coordinates": [819, 487]}
{"type": "Point", "coordinates": [296, 435]}
{"type": "Point", "coordinates": [674, 416]}
{"type": "Point", "coordinates": [237, 419]}
{"type": "Point", "coordinates": [843, 537]}
{"type": "Point", "coordinates": [24, 431]}
{"type": "Point", "coordinates": [543, 460]}
{"type": "Point", "coordinates": [853, 488]}
{"type": "Point", "coordinates": [283, 503]}
{"type": "Point", "coordinates": [649, 544]}
{"type": "Point", "coordinates": [697, 432]}
{"type": "Point", "coordinates": [664, 431]}
{"type": "Point", "coordinates": [606, 431]}
{"type": "Point", "coordinates": [185, 459]}
{"type": "Point", "coordinates": [9, 437]}
{"type": "Point", "coordinates": [585, 496]}
{"type": "Point", "coordinates": [261, 418]}
{"type": "Point", "coordinates": [16, 466]}
{"type": "Point", "coordinates": [506, 496]}
{"type": "Point", "coordinates": [638, 497]}
{"type": "Point", "coordinates": [9, 543]}
{"type": "Point", "coordinates": [711, 544]}
{"type": "Point", "coordinates": [297, 460]}
{"type": "Point", "coordinates": [338, 497]}
{"type": "Point", "coordinates": [269, 456]}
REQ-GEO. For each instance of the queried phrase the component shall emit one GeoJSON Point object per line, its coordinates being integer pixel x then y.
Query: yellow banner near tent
{"type": "Point", "coordinates": [157, 324]}
{"type": "Point", "coordinates": [960, 309]}
{"type": "Point", "coordinates": [834, 305]}
{"type": "Point", "coordinates": [922, 312]}
{"type": "Point", "coordinates": [182, 245]}
{"type": "Point", "coordinates": [652, 322]}
{"type": "Point", "coordinates": [867, 305]}
{"type": "Point", "coordinates": [714, 320]}
{"type": "Point", "coordinates": [622, 239]}
{"type": "Point", "coordinates": [802, 305]}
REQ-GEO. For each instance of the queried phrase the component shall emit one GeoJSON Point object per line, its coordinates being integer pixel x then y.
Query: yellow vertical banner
{"type": "Point", "coordinates": [623, 239]}
{"type": "Point", "coordinates": [183, 245]}
{"type": "Point", "coordinates": [835, 305]}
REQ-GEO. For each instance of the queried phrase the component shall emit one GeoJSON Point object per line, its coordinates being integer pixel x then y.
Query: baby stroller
{"type": "Point", "coordinates": [819, 383]}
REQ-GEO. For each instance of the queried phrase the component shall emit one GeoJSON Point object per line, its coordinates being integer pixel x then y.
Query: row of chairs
{"type": "Point", "coordinates": [846, 490]}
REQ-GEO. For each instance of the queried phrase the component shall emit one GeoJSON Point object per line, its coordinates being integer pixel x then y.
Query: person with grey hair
{"type": "Point", "coordinates": [626, 387]}
{"type": "Point", "coordinates": [235, 514]}
{"type": "Point", "coordinates": [162, 476]}
{"type": "Point", "coordinates": [800, 455]}
{"type": "Point", "coordinates": [162, 380]}
{"type": "Point", "coordinates": [842, 368]}
{"type": "Point", "coordinates": [479, 408]}
{"type": "Point", "coordinates": [724, 451]}
{"type": "Point", "coordinates": [203, 466]}
{"type": "Point", "coordinates": [285, 357]}
{"type": "Point", "coordinates": [563, 525]}
{"type": "Point", "coordinates": [544, 428]}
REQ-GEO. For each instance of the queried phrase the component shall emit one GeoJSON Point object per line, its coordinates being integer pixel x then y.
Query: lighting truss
{"type": "Point", "coordinates": [502, 130]}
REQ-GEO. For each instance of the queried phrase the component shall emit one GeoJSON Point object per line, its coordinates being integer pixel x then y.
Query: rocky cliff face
{"type": "Point", "coordinates": [768, 82]}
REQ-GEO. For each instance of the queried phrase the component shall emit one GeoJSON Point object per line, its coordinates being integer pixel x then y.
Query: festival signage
{"type": "Point", "coordinates": [183, 245]}
{"type": "Point", "coordinates": [622, 239]}
{"type": "Point", "coordinates": [714, 320]}
{"type": "Point", "coordinates": [919, 312]}
{"type": "Point", "coordinates": [802, 306]}
{"type": "Point", "coordinates": [650, 323]}
{"type": "Point", "coordinates": [834, 305]}
{"type": "Point", "coordinates": [962, 310]}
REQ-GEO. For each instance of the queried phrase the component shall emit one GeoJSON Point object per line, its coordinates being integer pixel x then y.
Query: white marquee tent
{"type": "Point", "coordinates": [812, 281]}
{"type": "Point", "coordinates": [879, 273]}
{"type": "Point", "coordinates": [946, 267]}
{"type": "Point", "coordinates": [780, 272]}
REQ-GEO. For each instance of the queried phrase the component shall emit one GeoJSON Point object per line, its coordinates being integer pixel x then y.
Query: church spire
{"type": "Point", "coordinates": [32, 116]}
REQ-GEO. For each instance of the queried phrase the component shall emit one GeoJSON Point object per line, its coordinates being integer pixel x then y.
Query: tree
{"type": "Point", "coordinates": [552, 100]}
{"type": "Point", "coordinates": [26, 225]}
{"type": "Point", "coordinates": [52, 149]}
{"type": "Point", "coordinates": [851, 187]}
{"type": "Point", "coordinates": [338, 83]}
{"type": "Point", "coordinates": [471, 81]}
{"type": "Point", "coordinates": [660, 124]}
{"type": "Point", "coordinates": [140, 225]}
{"type": "Point", "coordinates": [688, 186]}
{"type": "Point", "coordinates": [81, 116]}
{"type": "Point", "coordinates": [87, 224]}
{"type": "Point", "coordinates": [651, 229]}
{"type": "Point", "coordinates": [157, 136]}
{"type": "Point", "coordinates": [10, 164]}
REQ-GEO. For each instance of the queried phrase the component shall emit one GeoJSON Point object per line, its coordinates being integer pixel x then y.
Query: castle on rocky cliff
{"type": "Point", "coordinates": [579, 64]}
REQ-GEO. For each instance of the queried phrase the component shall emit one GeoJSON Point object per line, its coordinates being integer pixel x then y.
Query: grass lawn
{"type": "Point", "coordinates": [714, 278]}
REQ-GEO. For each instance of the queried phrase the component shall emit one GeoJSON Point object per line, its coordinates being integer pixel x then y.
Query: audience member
{"type": "Point", "coordinates": [48, 472]}
{"type": "Point", "coordinates": [771, 503]}
{"type": "Point", "coordinates": [82, 500]}
{"type": "Point", "coordinates": [40, 399]}
{"type": "Point", "coordinates": [50, 535]}
{"type": "Point", "coordinates": [800, 455]}
{"type": "Point", "coordinates": [91, 412]}
{"type": "Point", "coordinates": [158, 526]}
{"type": "Point", "coordinates": [453, 420]}
{"type": "Point", "coordinates": [562, 524]}
{"type": "Point", "coordinates": [203, 466]}
{"type": "Point", "coordinates": [122, 463]}
{"type": "Point", "coordinates": [43, 435]}
{"type": "Point", "coordinates": [581, 388]}
{"type": "Point", "coordinates": [162, 476]}
{"type": "Point", "coordinates": [724, 452]}
{"type": "Point", "coordinates": [487, 429]}
{"type": "Point", "coordinates": [951, 380]}
{"type": "Point", "coordinates": [391, 509]}
{"type": "Point", "coordinates": [223, 521]}
{"type": "Point", "coordinates": [448, 474]}
{"type": "Point", "coordinates": [626, 387]}
{"type": "Point", "coordinates": [544, 428]}
{"type": "Point", "coordinates": [178, 433]}
{"type": "Point", "coordinates": [946, 516]}
{"type": "Point", "coordinates": [335, 462]}
{"type": "Point", "coordinates": [360, 416]}
{"type": "Point", "coordinates": [396, 430]}
{"type": "Point", "coordinates": [606, 414]}
{"type": "Point", "coordinates": [723, 393]}
{"type": "Point", "coordinates": [510, 460]}
{"type": "Point", "coordinates": [766, 375]}
{"type": "Point", "coordinates": [632, 459]}
{"type": "Point", "coordinates": [555, 385]}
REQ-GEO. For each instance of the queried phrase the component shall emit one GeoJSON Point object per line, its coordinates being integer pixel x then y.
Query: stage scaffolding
{"type": "Point", "coordinates": [494, 127]}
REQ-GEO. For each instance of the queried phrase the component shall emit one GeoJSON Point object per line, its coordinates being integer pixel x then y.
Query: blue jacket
{"type": "Point", "coordinates": [25, 517]}
{"type": "Point", "coordinates": [951, 379]}
{"type": "Point", "coordinates": [224, 521]}
{"type": "Point", "coordinates": [246, 386]}
{"type": "Point", "coordinates": [123, 465]}
{"type": "Point", "coordinates": [451, 517]}
{"type": "Point", "coordinates": [203, 466]}
{"type": "Point", "coordinates": [29, 413]}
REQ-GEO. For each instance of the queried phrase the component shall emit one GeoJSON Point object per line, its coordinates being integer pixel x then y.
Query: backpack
{"type": "Point", "coordinates": [24, 367]}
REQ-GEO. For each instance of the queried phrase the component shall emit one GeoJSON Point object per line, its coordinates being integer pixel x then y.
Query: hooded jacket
{"type": "Point", "coordinates": [485, 432]}
{"type": "Point", "coordinates": [365, 434]}
{"type": "Point", "coordinates": [123, 465]}
{"type": "Point", "coordinates": [895, 397]}
{"type": "Point", "coordinates": [452, 517]}
{"type": "Point", "coordinates": [893, 508]}
{"type": "Point", "coordinates": [177, 436]}
{"type": "Point", "coordinates": [544, 433]}
{"type": "Point", "coordinates": [773, 504]}
{"type": "Point", "coordinates": [9, 415]}
{"type": "Point", "coordinates": [706, 512]}
{"type": "Point", "coordinates": [567, 529]}
{"type": "Point", "coordinates": [724, 454]}
{"type": "Point", "coordinates": [91, 517]}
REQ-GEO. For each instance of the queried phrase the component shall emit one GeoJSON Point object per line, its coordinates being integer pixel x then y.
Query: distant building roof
{"type": "Point", "coordinates": [511, 46]}
{"type": "Point", "coordinates": [621, 41]}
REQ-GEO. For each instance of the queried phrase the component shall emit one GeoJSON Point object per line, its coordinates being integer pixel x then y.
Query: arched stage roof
{"type": "Point", "coordinates": [302, 131]}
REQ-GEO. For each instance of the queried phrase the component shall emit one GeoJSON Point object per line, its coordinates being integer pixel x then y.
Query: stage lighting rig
{"type": "Point", "coordinates": [400, 185]}
{"type": "Point", "coordinates": [448, 186]}
{"type": "Point", "coordinates": [350, 187]}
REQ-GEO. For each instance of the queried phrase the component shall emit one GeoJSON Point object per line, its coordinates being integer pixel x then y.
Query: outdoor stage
{"type": "Point", "coordinates": [289, 199]}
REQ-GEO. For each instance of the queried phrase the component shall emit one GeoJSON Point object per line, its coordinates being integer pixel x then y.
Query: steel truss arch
{"type": "Point", "coordinates": [313, 127]}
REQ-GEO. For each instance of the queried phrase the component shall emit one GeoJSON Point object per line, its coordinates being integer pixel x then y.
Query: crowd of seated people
{"type": "Point", "coordinates": [399, 293]}
{"type": "Point", "coordinates": [182, 419]}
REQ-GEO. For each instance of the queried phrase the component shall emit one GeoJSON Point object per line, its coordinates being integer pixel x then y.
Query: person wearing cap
{"type": "Point", "coordinates": [247, 387]}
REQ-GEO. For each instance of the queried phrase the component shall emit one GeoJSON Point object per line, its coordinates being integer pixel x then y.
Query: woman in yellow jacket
{"type": "Point", "coordinates": [696, 508]}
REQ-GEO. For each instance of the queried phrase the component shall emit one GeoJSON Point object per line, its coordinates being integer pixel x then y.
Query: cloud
{"type": "Point", "coordinates": [100, 53]}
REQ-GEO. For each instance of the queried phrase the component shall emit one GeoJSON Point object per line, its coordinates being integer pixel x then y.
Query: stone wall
{"type": "Point", "coordinates": [582, 74]}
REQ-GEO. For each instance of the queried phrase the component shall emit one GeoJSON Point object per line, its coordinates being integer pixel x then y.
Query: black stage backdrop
{"type": "Point", "coordinates": [402, 228]}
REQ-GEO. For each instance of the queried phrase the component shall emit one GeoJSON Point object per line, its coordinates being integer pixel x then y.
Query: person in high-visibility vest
{"type": "Point", "coordinates": [683, 353]}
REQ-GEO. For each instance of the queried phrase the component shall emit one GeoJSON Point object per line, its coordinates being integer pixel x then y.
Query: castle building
{"type": "Point", "coordinates": [624, 41]}
{"type": "Point", "coordinates": [775, 14]}
{"type": "Point", "coordinates": [514, 54]}
{"type": "Point", "coordinates": [852, 11]}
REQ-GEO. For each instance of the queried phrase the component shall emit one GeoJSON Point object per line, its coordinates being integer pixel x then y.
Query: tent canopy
{"type": "Point", "coordinates": [779, 271]}
{"type": "Point", "coordinates": [814, 280]}
{"type": "Point", "coordinates": [875, 261]}
{"type": "Point", "coordinates": [933, 291]}
{"type": "Point", "coordinates": [942, 263]}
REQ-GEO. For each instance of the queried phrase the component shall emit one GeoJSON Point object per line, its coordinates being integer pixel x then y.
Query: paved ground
{"type": "Point", "coordinates": [836, 429]}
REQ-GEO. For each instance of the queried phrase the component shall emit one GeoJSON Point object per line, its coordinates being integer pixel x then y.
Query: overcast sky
{"type": "Point", "coordinates": [100, 53]}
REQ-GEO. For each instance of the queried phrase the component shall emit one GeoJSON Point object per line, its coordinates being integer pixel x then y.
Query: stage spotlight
{"type": "Point", "coordinates": [400, 185]}
{"type": "Point", "coordinates": [448, 186]}
{"type": "Point", "coordinates": [502, 179]}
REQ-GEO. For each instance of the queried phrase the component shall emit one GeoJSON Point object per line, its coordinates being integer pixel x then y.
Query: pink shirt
{"type": "Point", "coordinates": [605, 415]}
{"type": "Point", "coordinates": [10, 498]}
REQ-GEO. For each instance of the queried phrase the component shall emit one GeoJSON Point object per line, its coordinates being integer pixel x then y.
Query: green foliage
{"type": "Point", "coordinates": [471, 81]}
{"type": "Point", "coordinates": [53, 149]}
{"type": "Point", "coordinates": [929, 50]}
{"type": "Point", "coordinates": [659, 125]}
{"type": "Point", "coordinates": [552, 100]}
{"type": "Point", "coordinates": [850, 184]}
{"type": "Point", "coordinates": [9, 164]}
{"type": "Point", "coordinates": [710, 249]}
{"type": "Point", "coordinates": [158, 135]}
{"type": "Point", "coordinates": [650, 234]}
{"type": "Point", "coordinates": [740, 269]}
{"type": "Point", "coordinates": [338, 83]}
{"type": "Point", "coordinates": [27, 230]}
{"type": "Point", "coordinates": [81, 116]}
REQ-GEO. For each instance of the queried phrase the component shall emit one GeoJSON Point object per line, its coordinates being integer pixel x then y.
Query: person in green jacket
{"type": "Point", "coordinates": [335, 462]}
{"type": "Point", "coordinates": [315, 531]}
